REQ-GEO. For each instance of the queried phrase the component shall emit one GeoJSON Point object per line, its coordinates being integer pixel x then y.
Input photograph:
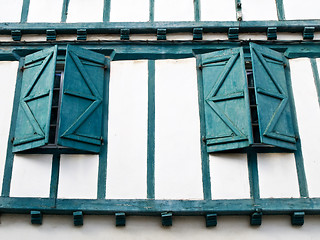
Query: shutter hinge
{"type": "Point", "coordinates": [200, 67]}
{"type": "Point", "coordinates": [22, 69]}
{"type": "Point", "coordinates": [296, 138]}
{"type": "Point", "coordinates": [12, 140]}
{"type": "Point", "coordinates": [204, 140]}
{"type": "Point", "coordinates": [105, 66]}
{"type": "Point", "coordinates": [285, 65]}
{"type": "Point", "coordinates": [101, 140]}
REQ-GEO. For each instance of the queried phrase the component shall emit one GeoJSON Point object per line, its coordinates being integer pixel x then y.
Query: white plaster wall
{"type": "Point", "coordinates": [177, 131]}
{"type": "Point", "coordinates": [78, 176]}
{"type": "Point", "coordinates": [8, 73]}
{"type": "Point", "coordinates": [31, 175]}
{"type": "Point", "coordinates": [129, 11]}
{"type": "Point", "coordinates": [127, 130]}
{"type": "Point", "coordinates": [216, 10]}
{"type": "Point", "coordinates": [137, 228]}
{"type": "Point", "coordinates": [85, 11]}
{"type": "Point", "coordinates": [229, 176]}
{"type": "Point", "coordinates": [296, 9]}
{"type": "Point", "coordinates": [173, 10]}
{"type": "Point", "coordinates": [45, 10]}
{"type": "Point", "coordinates": [259, 10]}
{"type": "Point", "coordinates": [10, 11]}
{"type": "Point", "coordinates": [308, 116]}
{"type": "Point", "coordinates": [277, 175]}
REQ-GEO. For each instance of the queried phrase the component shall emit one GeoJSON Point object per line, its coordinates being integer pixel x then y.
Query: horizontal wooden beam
{"type": "Point", "coordinates": [275, 206]}
{"type": "Point", "coordinates": [151, 27]}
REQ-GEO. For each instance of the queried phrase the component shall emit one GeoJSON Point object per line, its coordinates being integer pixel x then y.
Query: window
{"type": "Point", "coordinates": [80, 109]}
{"type": "Point", "coordinates": [231, 121]}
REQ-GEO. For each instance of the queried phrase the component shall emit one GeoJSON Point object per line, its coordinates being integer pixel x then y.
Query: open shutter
{"type": "Point", "coordinates": [81, 104]}
{"type": "Point", "coordinates": [33, 118]}
{"type": "Point", "coordinates": [227, 110]}
{"type": "Point", "coordinates": [274, 114]}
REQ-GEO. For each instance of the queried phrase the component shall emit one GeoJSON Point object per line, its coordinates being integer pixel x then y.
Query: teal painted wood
{"type": "Point", "coordinates": [197, 11]}
{"type": "Point", "coordinates": [33, 119]}
{"type": "Point", "coordinates": [81, 104]}
{"type": "Point", "coordinates": [280, 10]}
{"type": "Point", "coordinates": [54, 175]}
{"type": "Point", "coordinates": [273, 105]}
{"type": "Point", "coordinates": [64, 13]}
{"type": "Point", "coordinates": [106, 10]}
{"type": "Point", "coordinates": [102, 173]}
{"type": "Point", "coordinates": [316, 77]}
{"type": "Point", "coordinates": [151, 130]}
{"type": "Point", "coordinates": [151, 27]}
{"type": "Point", "coordinates": [205, 166]}
{"type": "Point", "coordinates": [302, 179]}
{"type": "Point", "coordinates": [227, 110]}
{"type": "Point", "coordinates": [151, 10]}
{"type": "Point", "coordinates": [7, 173]}
{"type": "Point", "coordinates": [25, 11]}
{"type": "Point", "coordinates": [253, 175]}
{"type": "Point", "coordinates": [139, 207]}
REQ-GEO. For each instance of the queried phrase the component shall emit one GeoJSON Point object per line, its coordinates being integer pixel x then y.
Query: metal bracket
{"type": "Point", "coordinates": [197, 33]}
{"type": "Point", "coordinates": [211, 220]}
{"type": "Point", "coordinates": [166, 219]}
{"type": "Point", "coordinates": [297, 218]}
{"type": "Point", "coordinates": [78, 218]}
{"type": "Point", "coordinates": [233, 33]}
{"type": "Point", "coordinates": [125, 34]}
{"type": "Point", "coordinates": [120, 219]}
{"type": "Point", "coordinates": [272, 33]}
{"type": "Point", "coordinates": [51, 34]}
{"type": "Point", "coordinates": [36, 217]}
{"type": "Point", "coordinates": [81, 34]}
{"type": "Point", "coordinates": [161, 34]}
{"type": "Point", "coordinates": [16, 35]}
{"type": "Point", "coordinates": [308, 33]}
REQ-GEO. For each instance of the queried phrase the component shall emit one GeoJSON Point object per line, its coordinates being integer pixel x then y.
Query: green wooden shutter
{"type": "Point", "coordinates": [275, 117]}
{"type": "Point", "coordinates": [33, 118]}
{"type": "Point", "coordinates": [80, 124]}
{"type": "Point", "coordinates": [226, 103]}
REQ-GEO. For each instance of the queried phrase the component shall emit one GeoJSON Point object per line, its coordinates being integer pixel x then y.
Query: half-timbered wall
{"type": "Point", "coordinates": [154, 126]}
